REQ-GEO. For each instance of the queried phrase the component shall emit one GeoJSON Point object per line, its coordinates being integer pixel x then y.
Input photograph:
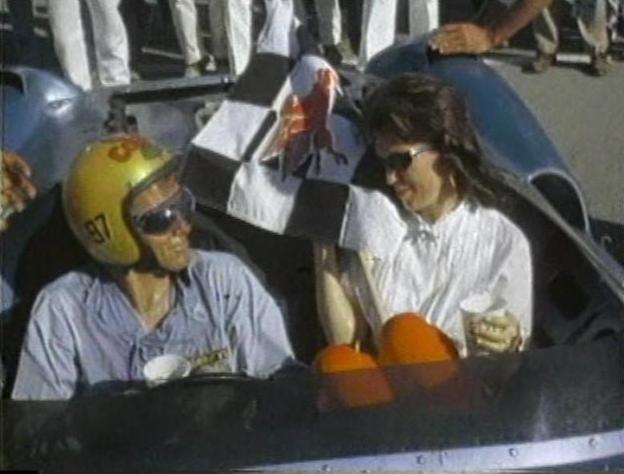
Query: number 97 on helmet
{"type": "Point", "coordinates": [101, 183]}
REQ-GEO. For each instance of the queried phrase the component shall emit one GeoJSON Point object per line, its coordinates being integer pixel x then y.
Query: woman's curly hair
{"type": "Point", "coordinates": [418, 108]}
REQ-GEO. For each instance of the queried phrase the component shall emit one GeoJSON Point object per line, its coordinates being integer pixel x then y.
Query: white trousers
{"type": "Point", "coordinates": [230, 30]}
{"type": "Point", "coordinates": [592, 24]}
{"type": "Point", "coordinates": [378, 22]}
{"type": "Point", "coordinates": [184, 14]}
{"type": "Point", "coordinates": [110, 38]}
{"type": "Point", "coordinates": [230, 24]}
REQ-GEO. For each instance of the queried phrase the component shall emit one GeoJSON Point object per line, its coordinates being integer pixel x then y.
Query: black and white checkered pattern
{"type": "Point", "coordinates": [226, 168]}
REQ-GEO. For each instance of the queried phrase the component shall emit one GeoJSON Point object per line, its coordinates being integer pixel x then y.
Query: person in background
{"type": "Point", "coordinates": [135, 14]}
{"type": "Point", "coordinates": [492, 30]}
{"type": "Point", "coordinates": [188, 31]}
{"type": "Point", "coordinates": [377, 25]}
{"type": "Point", "coordinates": [456, 243]}
{"type": "Point", "coordinates": [231, 31]}
{"type": "Point", "coordinates": [592, 20]}
{"type": "Point", "coordinates": [16, 190]}
{"type": "Point", "coordinates": [149, 294]}
{"type": "Point", "coordinates": [329, 17]}
{"type": "Point", "coordinates": [110, 42]}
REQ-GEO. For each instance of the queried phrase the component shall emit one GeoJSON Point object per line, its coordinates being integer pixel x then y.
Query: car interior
{"type": "Point", "coordinates": [572, 303]}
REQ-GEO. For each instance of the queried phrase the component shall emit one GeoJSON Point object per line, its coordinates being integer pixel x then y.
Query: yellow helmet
{"type": "Point", "coordinates": [102, 179]}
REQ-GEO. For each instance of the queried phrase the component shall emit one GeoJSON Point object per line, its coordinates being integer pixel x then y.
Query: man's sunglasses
{"type": "Point", "coordinates": [402, 161]}
{"type": "Point", "coordinates": [161, 219]}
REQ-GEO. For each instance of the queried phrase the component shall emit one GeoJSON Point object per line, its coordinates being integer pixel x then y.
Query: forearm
{"type": "Point", "coordinates": [491, 11]}
{"type": "Point", "coordinates": [338, 317]}
{"type": "Point", "coordinates": [506, 24]}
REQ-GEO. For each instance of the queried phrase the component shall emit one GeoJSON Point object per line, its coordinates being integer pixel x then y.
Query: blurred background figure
{"type": "Point", "coordinates": [188, 32]}
{"type": "Point", "coordinates": [616, 20]}
{"type": "Point", "coordinates": [135, 15]}
{"type": "Point", "coordinates": [329, 17]}
{"type": "Point", "coordinates": [496, 22]}
{"type": "Point", "coordinates": [377, 25]}
{"type": "Point", "coordinates": [591, 17]}
{"type": "Point", "coordinates": [231, 32]}
{"type": "Point", "coordinates": [494, 26]}
{"type": "Point", "coordinates": [24, 40]}
{"type": "Point", "coordinates": [109, 37]}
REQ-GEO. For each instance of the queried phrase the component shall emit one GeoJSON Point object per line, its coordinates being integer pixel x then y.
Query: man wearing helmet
{"type": "Point", "coordinates": [151, 294]}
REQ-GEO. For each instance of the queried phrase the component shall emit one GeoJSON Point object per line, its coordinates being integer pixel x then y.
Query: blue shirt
{"type": "Point", "coordinates": [84, 332]}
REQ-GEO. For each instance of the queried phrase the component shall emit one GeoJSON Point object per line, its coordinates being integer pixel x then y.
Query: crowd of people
{"type": "Point", "coordinates": [148, 292]}
{"type": "Point", "coordinates": [598, 21]}
{"type": "Point", "coordinates": [118, 31]}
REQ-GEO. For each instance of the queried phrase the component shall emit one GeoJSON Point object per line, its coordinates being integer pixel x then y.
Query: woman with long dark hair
{"type": "Point", "coordinates": [456, 247]}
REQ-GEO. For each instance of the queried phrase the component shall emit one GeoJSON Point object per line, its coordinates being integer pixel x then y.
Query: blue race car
{"type": "Point", "coordinates": [559, 404]}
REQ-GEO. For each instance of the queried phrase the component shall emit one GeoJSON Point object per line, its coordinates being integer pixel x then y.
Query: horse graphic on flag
{"type": "Point", "coordinates": [303, 129]}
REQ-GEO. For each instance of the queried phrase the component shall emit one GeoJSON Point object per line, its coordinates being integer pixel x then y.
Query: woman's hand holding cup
{"type": "Point", "coordinates": [488, 326]}
{"type": "Point", "coordinates": [496, 334]}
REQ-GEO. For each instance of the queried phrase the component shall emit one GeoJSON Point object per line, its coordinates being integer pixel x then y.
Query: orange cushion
{"type": "Point", "coordinates": [408, 338]}
{"type": "Point", "coordinates": [360, 383]}
{"type": "Point", "coordinates": [341, 358]}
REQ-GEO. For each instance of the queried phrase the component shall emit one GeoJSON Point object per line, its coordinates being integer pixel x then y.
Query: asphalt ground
{"type": "Point", "coordinates": [583, 115]}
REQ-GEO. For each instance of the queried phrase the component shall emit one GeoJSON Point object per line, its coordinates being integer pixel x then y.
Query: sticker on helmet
{"type": "Point", "coordinates": [98, 229]}
{"type": "Point", "coordinates": [124, 150]}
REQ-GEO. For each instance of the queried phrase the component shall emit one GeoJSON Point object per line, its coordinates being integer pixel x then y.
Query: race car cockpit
{"type": "Point", "coordinates": [557, 404]}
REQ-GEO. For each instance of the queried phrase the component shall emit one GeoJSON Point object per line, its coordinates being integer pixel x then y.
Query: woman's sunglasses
{"type": "Point", "coordinates": [161, 219]}
{"type": "Point", "coordinates": [402, 161]}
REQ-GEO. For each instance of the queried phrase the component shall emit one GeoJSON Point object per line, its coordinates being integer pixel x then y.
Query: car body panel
{"type": "Point", "coordinates": [518, 411]}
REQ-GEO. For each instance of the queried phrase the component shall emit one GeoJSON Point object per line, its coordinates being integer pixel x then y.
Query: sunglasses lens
{"type": "Point", "coordinates": [402, 161]}
{"type": "Point", "coordinates": [160, 221]}
{"type": "Point", "coordinates": [398, 161]}
{"type": "Point", "coordinates": [157, 222]}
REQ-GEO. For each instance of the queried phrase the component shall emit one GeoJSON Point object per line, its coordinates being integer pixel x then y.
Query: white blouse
{"type": "Point", "coordinates": [470, 250]}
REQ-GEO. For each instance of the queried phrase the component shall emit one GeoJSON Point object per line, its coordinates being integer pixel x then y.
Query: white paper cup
{"type": "Point", "coordinates": [166, 367]}
{"type": "Point", "coordinates": [474, 309]}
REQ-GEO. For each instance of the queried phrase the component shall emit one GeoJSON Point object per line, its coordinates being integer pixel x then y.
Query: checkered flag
{"type": "Point", "coordinates": [279, 155]}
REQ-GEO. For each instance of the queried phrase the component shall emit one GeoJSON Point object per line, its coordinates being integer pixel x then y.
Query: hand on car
{"type": "Point", "coordinates": [16, 186]}
{"type": "Point", "coordinates": [497, 333]}
{"type": "Point", "coordinates": [458, 38]}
